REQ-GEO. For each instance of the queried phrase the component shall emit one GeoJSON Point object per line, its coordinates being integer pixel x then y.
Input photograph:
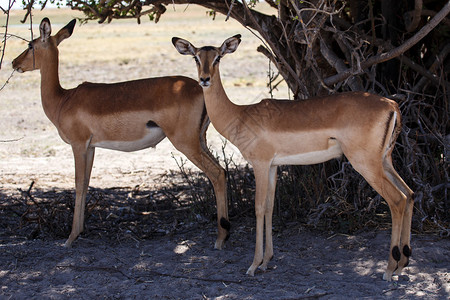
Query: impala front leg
{"type": "Point", "coordinates": [262, 182]}
{"type": "Point", "coordinates": [268, 252]}
{"type": "Point", "coordinates": [84, 159]}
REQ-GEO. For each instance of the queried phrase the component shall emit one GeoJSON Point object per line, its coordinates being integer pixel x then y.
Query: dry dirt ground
{"type": "Point", "coordinates": [184, 266]}
{"type": "Point", "coordinates": [141, 240]}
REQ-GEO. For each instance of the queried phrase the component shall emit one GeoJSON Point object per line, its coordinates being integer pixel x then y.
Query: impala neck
{"type": "Point", "coordinates": [51, 90]}
{"type": "Point", "coordinates": [220, 109]}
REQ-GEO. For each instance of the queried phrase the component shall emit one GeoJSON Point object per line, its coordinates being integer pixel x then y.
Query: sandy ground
{"type": "Point", "coordinates": [175, 261]}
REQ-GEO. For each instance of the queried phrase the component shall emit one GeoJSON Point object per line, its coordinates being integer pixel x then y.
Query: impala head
{"type": "Point", "coordinates": [207, 57]}
{"type": "Point", "coordinates": [40, 48]}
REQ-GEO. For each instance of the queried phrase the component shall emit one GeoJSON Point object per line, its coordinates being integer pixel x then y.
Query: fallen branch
{"type": "Point", "coordinates": [227, 281]}
{"type": "Point", "coordinates": [315, 296]}
{"type": "Point", "coordinates": [10, 141]}
{"type": "Point", "coordinates": [94, 268]}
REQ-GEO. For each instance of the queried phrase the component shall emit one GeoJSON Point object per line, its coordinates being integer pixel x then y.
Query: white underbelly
{"type": "Point", "coordinates": [153, 137]}
{"type": "Point", "coordinates": [309, 158]}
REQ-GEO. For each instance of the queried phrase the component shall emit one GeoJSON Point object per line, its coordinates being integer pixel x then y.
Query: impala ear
{"type": "Point", "coordinates": [65, 32]}
{"type": "Point", "coordinates": [46, 29]}
{"type": "Point", "coordinates": [230, 45]}
{"type": "Point", "coordinates": [183, 46]}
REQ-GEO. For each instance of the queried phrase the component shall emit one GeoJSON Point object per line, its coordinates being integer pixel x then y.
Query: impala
{"type": "Point", "coordinates": [359, 125]}
{"type": "Point", "coordinates": [125, 116]}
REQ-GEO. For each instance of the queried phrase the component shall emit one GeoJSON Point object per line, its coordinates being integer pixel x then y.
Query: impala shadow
{"type": "Point", "coordinates": [115, 213]}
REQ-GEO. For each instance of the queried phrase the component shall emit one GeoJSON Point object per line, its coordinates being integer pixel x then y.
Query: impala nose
{"type": "Point", "coordinates": [15, 67]}
{"type": "Point", "coordinates": [205, 81]}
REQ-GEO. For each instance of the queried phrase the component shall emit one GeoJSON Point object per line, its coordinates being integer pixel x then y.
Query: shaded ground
{"type": "Point", "coordinates": [142, 244]}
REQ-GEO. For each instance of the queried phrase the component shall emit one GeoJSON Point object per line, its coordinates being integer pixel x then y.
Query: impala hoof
{"type": "Point", "coordinates": [399, 271]}
{"type": "Point", "coordinates": [70, 239]}
{"type": "Point", "coordinates": [263, 267]}
{"type": "Point", "coordinates": [251, 271]}
{"type": "Point", "coordinates": [388, 276]}
{"type": "Point", "coordinates": [219, 245]}
{"type": "Point", "coordinates": [68, 244]}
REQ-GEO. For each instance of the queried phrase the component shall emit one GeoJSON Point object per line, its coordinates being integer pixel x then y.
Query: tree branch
{"type": "Point", "coordinates": [439, 60]}
{"type": "Point", "coordinates": [275, 48]}
{"type": "Point", "coordinates": [339, 65]}
{"type": "Point", "coordinates": [29, 7]}
{"type": "Point", "coordinates": [416, 14]}
{"type": "Point", "coordinates": [394, 52]}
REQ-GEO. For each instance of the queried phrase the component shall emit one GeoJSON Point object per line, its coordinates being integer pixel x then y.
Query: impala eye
{"type": "Point", "coordinates": [217, 60]}
{"type": "Point", "coordinates": [196, 60]}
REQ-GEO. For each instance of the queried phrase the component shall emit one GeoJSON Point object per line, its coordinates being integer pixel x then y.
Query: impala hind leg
{"type": "Point", "coordinates": [262, 188]}
{"type": "Point", "coordinates": [84, 159]}
{"type": "Point", "coordinates": [405, 245]}
{"type": "Point", "coordinates": [405, 238]}
{"type": "Point", "coordinates": [397, 205]}
{"type": "Point", "coordinates": [204, 160]}
{"type": "Point", "coordinates": [216, 175]}
{"type": "Point", "coordinates": [374, 170]}
{"type": "Point", "coordinates": [268, 251]}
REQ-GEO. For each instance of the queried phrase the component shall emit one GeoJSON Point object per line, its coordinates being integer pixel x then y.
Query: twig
{"type": "Point", "coordinates": [231, 8]}
{"type": "Point", "coordinates": [439, 60]}
{"type": "Point", "coordinates": [227, 281]}
{"type": "Point", "coordinates": [29, 7]}
{"type": "Point", "coordinates": [316, 296]}
{"type": "Point", "coordinates": [10, 4]}
{"type": "Point", "coordinates": [29, 189]}
{"type": "Point", "coordinates": [9, 35]}
{"type": "Point", "coordinates": [31, 25]}
{"type": "Point", "coordinates": [422, 71]}
{"type": "Point", "coordinates": [94, 268]}
{"type": "Point", "coordinates": [2, 87]}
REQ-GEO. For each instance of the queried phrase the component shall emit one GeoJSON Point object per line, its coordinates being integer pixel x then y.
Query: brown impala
{"type": "Point", "coordinates": [125, 116]}
{"type": "Point", "coordinates": [361, 126]}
